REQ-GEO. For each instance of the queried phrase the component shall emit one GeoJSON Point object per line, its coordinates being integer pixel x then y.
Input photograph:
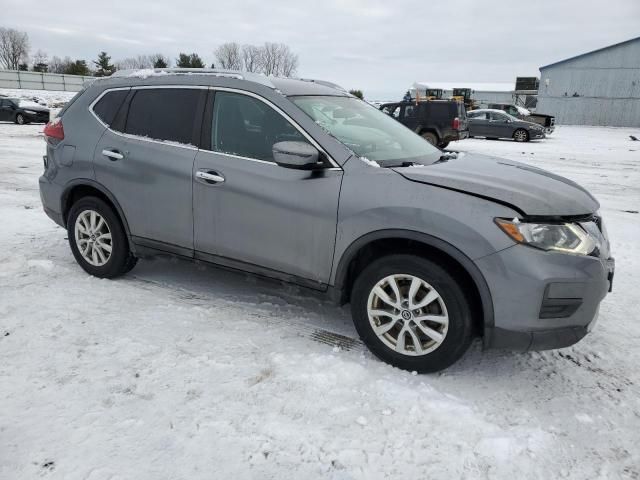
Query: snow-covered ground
{"type": "Point", "coordinates": [182, 371]}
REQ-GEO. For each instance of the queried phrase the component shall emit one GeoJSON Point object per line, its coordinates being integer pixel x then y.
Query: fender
{"type": "Point", "coordinates": [433, 129]}
{"type": "Point", "coordinates": [474, 272]}
{"type": "Point", "coordinates": [79, 182]}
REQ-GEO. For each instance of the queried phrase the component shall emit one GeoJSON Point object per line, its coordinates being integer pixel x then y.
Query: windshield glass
{"type": "Point", "coordinates": [26, 103]}
{"type": "Point", "coordinates": [367, 131]}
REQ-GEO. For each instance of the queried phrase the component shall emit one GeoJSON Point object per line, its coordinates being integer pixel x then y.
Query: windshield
{"type": "Point", "coordinates": [367, 131]}
{"type": "Point", "coordinates": [26, 103]}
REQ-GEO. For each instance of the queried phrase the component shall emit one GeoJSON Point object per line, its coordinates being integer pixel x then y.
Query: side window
{"type": "Point", "coordinates": [247, 127]}
{"type": "Point", "coordinates": [386, 110]}
{"type": "Point", "coordinates": [409, 111]}
{"type": "Point", "coordinates": [163, 114]}
{"type": "Point", "coordinates": [497, 117]}
{"type": "Point", "coordinates": [109, 104]}
{"type": "Point", "coordinates": [396, 112]}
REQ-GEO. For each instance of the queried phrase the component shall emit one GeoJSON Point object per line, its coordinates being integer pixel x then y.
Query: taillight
{"type": "Point", "coordinates": [456, 123]}
{"type": "Point", "coordinates": [54, 129]}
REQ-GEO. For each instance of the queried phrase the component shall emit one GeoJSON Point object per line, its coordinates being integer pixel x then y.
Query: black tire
{"type": "Point", "coordinates": [460, 327]}
{"type": "Point", "coordinates": [521, 135]}
{"type": "Point", "coordinates": [121, 260]}
{"type": "Point", "coordinates": [444, 145]}
{"type": "Point", "coordinates": [431, 138]}
{"type": "Point", "coordinates": [20, 120]}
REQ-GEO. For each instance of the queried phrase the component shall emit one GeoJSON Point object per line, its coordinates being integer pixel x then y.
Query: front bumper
{"type": "Point", "coordinates": [42, 117]}
{"type": "Point", "coordinates": [536, 134]}
{"type": "Point", "coordinates": [543, 300]}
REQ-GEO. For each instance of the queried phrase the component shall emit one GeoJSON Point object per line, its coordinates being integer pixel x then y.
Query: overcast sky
{"type": "Point", "coordinates": [380, 47]}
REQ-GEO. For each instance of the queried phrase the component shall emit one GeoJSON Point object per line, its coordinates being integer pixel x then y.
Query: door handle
{"type": "Point", "coordinates": [209, 177]}
{"type": "Point", "coordinates": [113, 155]}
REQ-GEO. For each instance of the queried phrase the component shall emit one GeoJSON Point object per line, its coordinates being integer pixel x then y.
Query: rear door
{"type": "Point", "coordinates": [478, 124]}
{"type": "Point", "coordinates": [410, 116]}
{"type": "Point", "coordinates": [6, 113]}
{"type": "Point", "coordinates": [258, 215]}
{"type": "Point", "coordinates": [145, 158]}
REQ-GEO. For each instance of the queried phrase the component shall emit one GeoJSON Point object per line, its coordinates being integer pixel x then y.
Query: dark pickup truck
{"type": "Point", "coordinates": [437, 121]}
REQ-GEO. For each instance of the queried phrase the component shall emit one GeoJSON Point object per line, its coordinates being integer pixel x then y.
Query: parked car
{"type": "Point", "coordinates": [437, 121]}
{"type": "Point", "coordinates": [547, 121]}
{"type": "Point", "coordinates": [22, 111]}
{"type": "Point", "coordinates": [301, 182]}
{"type": "Point", "coordinates": [498, 124]}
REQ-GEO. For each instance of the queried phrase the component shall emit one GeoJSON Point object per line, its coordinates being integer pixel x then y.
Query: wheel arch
{"type": "Point", "coordinates": [435, 130]}
{"type": "Point", "coordinates": [409, 241]}
{"type": "Point", "coordinates": [77, 189]}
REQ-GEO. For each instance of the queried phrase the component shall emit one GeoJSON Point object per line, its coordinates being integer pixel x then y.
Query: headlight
{"type": "Point", "coordinates": [576, 238]}
{"type": "Point", "coordinates": [30, 112]}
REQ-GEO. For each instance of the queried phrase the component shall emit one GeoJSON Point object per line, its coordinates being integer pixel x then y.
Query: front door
{"type": "Point", "coordinates": [148, 165]}
{"type": "Point", "coordinates": [500, 125]}
{"type": "Point", "coordinates": [252, 212]}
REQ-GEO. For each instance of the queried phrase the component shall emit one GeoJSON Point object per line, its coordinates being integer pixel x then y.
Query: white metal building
{"type": "Point", "coordinates": [601, 87]}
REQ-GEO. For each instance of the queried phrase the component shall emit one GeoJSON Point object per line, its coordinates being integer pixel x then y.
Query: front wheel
{"type": "Point", "coordinates": [412, 313]}
{"type": "Point", "coordinates": [521, 135]}
{"type": "Point", "coordinates": [97, 239]}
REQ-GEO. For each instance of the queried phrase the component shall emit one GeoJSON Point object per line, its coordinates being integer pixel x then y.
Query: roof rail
{"type": "Point", "coordinates": [150, 72]}
{"type": "Point", "coordinates": [325, 83]}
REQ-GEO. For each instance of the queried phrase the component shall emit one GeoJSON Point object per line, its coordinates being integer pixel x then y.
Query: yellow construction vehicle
{"type": "Point", "coordinates": [463, 95]}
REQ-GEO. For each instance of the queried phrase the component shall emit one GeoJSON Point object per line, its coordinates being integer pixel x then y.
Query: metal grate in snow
{"type": "Point", "coordinates": [335, 340]}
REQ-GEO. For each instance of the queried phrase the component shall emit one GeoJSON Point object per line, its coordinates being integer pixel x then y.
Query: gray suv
{"type": "Point", "coordinates": [297, 180]}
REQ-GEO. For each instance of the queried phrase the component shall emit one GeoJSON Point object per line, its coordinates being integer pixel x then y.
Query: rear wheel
{"type": "Point", "coordinates": [412, 313]}
{"type": "Point", "coordinates": [97, 239]}
{"type": "Point", "coordinates": [20, 120]}
{"type": "Point", "coordinates": [521, 135]}
{"type": "Point", "coordinates": [431, 138]}
{"type": "Point", "coordinates": [443, 145]}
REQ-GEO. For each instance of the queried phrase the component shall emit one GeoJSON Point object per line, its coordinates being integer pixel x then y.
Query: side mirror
{"type": "Point", "coordinates": [295, 154]}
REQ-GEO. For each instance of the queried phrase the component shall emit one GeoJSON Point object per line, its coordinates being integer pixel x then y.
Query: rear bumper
{"type": "Point", "coordinates": [50, 195]}
{"type": "Point", "coordinates": [543, 300]}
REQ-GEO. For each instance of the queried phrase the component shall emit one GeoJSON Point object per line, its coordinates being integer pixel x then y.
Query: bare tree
{"type": "Point", "coordinates": [289, 61]}
{"type": "Point", "coordinates": [40, 62]}
{"type": "Point", "coordinates": [278, 59]}
{"type": "Point", "coordinates": [58, 65]}
{"type": "Point", "coordinates": [251, 58]}
{"type": "Point", "coordinates": [14, 48]}
{"type": "Point", "coordinates": [133, 63]}
{"type": "Point", "coordinates": [228, 56]}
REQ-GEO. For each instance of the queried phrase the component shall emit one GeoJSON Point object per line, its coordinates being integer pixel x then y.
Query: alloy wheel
{"type": "Point", "coordinates": [93, 238]}
{"type": "Point", "coordinates": [407, 314]}
{"type": "Point", "coordinates": [520, 136]}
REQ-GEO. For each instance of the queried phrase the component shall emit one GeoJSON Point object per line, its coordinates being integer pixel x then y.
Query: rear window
{"type": "Point", "coordinates": [163, 114]}
{"type": "Point", "coordinates": [109, 104]}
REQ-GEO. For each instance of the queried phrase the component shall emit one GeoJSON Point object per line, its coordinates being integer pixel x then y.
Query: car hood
{"type": "Point", "coordinates": [530, 190]}
{"type": "Point", "coordinates": [34, 108]}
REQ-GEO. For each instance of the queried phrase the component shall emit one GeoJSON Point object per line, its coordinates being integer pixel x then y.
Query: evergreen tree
{"type": "Point", "coordinates": [23, 67]}
{"type": "Point", "coordinates": [185, 60]}
{"type": "Point", "coordinates": [79, 67]}
{"type": "Point", "coordinates": [357, 93]}
{"type": "Point", "coordinates": [41, 67]}
{"type": "Point", "coordinates": [105, 69]}
{"type": "Point", "coordinates": [160, 62]}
